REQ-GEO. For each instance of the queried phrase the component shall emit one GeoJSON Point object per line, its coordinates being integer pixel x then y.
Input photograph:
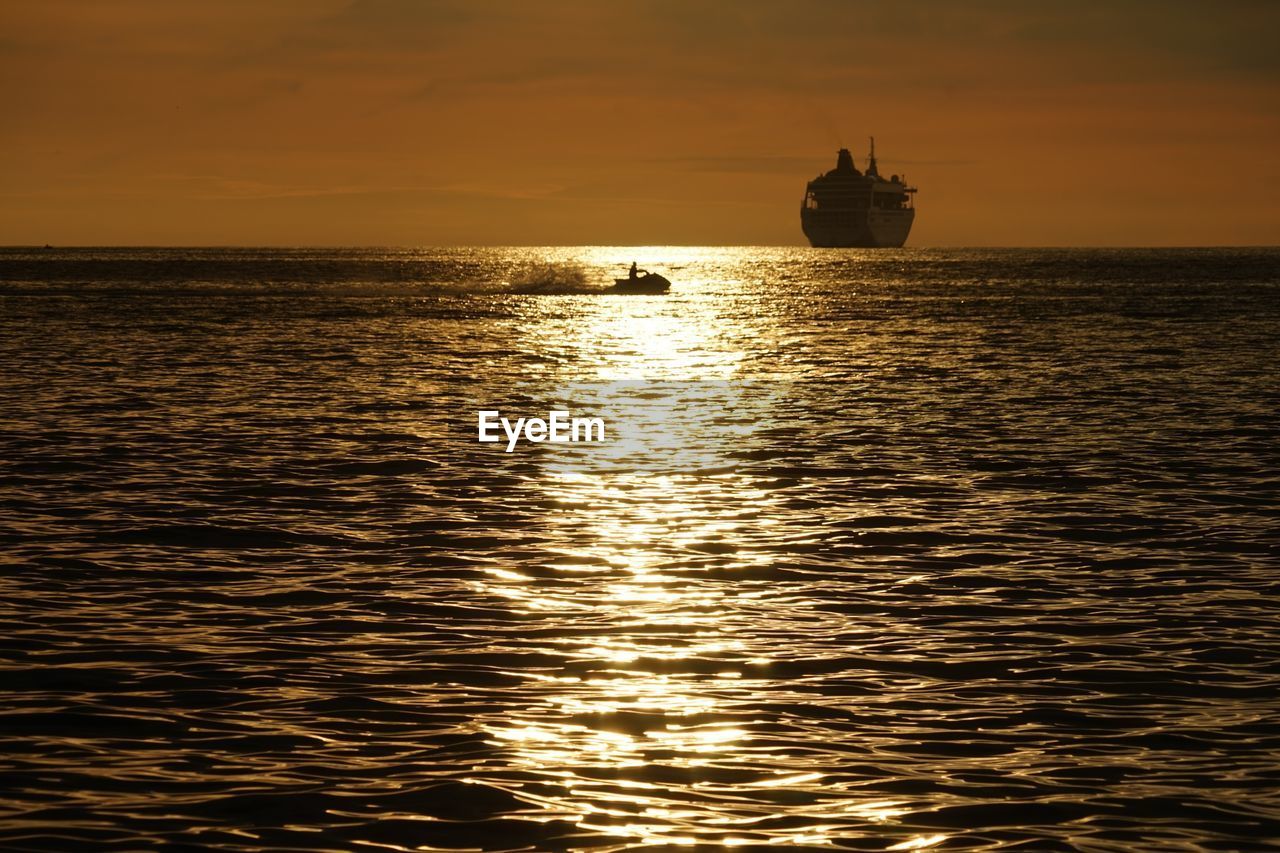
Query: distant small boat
{"type": "Point", "coordinates": [650, 283]}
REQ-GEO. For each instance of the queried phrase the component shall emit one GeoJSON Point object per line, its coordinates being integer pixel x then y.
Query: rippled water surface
{"type": "Point", "coordinates": [964, 550]}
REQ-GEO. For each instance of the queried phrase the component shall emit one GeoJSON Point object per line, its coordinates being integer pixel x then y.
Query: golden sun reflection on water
{"type": "Point", "coordinates": [886, 550]}
{"type": "Point", "coordinates": [648, 732]}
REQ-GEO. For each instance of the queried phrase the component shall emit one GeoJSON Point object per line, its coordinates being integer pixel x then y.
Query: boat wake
{"type": "Point", "coordinates": [552, 278]}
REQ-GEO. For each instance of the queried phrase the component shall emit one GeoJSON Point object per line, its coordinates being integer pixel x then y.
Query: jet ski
{"type": "Point", "coordinates": [647, 283]}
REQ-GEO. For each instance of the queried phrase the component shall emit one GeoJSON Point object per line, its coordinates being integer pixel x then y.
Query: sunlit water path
{"type": "Point", "coordinates": [964, 550]}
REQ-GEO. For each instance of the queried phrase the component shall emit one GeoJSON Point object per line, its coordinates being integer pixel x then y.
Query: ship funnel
{"type": "Point", "coordinates": [844, 161]}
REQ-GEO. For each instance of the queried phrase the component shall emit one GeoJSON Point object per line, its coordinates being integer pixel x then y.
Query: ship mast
{"type": "Point", "coordinates": [871, 161]}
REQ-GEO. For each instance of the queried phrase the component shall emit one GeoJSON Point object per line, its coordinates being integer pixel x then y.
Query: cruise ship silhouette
{"type": "Point", "coordinates": [846, 208]}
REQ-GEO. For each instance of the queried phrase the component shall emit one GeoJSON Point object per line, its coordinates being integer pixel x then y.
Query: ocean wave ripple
{"type": "Point", "coordinates": [959, 550]}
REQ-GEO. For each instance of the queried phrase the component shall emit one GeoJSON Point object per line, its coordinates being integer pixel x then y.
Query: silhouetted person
{"type": "Point", "coordinates": [633, 270]}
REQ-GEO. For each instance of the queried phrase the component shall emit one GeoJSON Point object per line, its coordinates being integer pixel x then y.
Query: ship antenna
{"type": "Point", "coordinates": [871, 165]}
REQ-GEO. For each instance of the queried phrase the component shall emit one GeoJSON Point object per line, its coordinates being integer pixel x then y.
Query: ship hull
{"type": "Point", "coordinates": [857, 229]}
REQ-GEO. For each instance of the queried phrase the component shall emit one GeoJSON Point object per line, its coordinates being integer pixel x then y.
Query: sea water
{"type": "Point", "coordinates": [966, 549]}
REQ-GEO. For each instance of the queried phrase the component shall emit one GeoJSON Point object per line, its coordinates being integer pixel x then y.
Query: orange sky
{"type": "Point", "coordinates": [445, 122]}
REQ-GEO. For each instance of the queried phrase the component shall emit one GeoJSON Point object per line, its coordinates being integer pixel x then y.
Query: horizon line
{"type": "Point", "coordinates": [426, 246]}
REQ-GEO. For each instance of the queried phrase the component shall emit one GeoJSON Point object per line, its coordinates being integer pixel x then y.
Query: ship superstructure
{"type": "Point", "coordinates": [846, 208]}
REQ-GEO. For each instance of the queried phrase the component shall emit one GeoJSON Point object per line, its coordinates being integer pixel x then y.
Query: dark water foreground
{"type": "Point", "coordinates": [950, 550]}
